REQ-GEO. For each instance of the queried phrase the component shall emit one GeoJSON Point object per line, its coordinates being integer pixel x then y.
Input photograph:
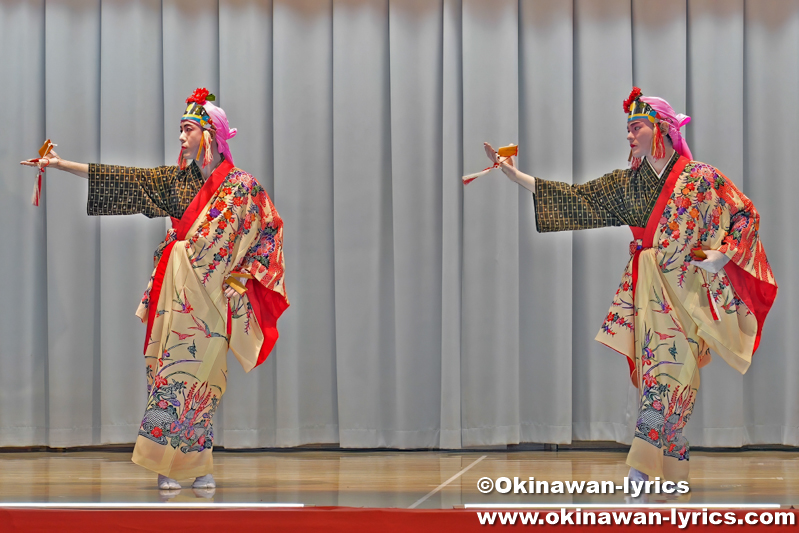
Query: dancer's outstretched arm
{"type": "Point", "coordinates": [510, 170]}
{"type": "Point", "coordinates": [52, 160]}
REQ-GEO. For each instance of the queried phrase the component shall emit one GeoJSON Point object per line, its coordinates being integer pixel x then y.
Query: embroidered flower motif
{"type": "Point", "coordinates": [159, 382]}
{"type": "Point", "coordinates": [656, 405]}
{"type": "Point", "coordinates": [157, 432]}
{"type": "Point", "coordinates": [654, 435]}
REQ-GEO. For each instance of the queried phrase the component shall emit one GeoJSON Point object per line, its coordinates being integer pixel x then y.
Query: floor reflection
{"type": "Point", "coordinates": [388, 478]}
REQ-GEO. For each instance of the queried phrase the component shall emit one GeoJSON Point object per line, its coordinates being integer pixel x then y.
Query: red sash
{"type": "Point", "coordinates": [647, 235]}
{"type": "Point", "coordinates": [182, 227]}
{"type": "Point", "coordinates": [758, 295]}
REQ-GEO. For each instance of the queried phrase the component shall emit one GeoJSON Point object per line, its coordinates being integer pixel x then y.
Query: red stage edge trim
{"type": "Point", "coordinates": [344, 519]}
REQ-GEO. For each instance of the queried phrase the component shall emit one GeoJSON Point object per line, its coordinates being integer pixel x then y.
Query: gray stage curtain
{"type": "Point", "coordinates": [423, 314]}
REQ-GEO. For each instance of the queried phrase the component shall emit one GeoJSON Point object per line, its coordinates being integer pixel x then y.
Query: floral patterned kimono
{"type": "Point", "coordinates": [221, 227]}
{"type": "Point", "coordinates": [667, 313]}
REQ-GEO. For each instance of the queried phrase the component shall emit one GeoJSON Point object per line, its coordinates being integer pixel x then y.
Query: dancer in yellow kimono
{"type": "Point", "coordinates": [697, 279]}
{"type": "Point", "coordinates": [198, 304]}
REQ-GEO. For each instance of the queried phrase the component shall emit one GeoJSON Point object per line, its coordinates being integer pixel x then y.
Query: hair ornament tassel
{"type": "Point", "coordinates": [658, 146]}
{"type": "Point", "coordinates": [208, 155]}
{"type": "Point", "coordinates": [635, 162]}
{"type": "Point", "coordinates": [181, 160]}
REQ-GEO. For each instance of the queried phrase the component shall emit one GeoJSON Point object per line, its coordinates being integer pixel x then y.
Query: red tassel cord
{"type": "Point", "coordinates": [208, 156]}
{"type": "Point", "coordinates": [471, 177]}
{"type": "Point", "coordinates": [181, 160]}
{"type": "Point", "coordinates": [658, 146]}
{"type": "Point", "coordinates": [37, 188]}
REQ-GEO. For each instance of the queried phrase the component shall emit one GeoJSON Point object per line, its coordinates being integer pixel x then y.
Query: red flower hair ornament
{"type": "Point", "coordinates": [201, 95]}
{"type": "Point", "coordinates": [634, 94]}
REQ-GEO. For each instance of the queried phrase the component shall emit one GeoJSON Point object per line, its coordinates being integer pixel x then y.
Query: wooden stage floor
{"type": "Point", "coordinates": [424, 479]}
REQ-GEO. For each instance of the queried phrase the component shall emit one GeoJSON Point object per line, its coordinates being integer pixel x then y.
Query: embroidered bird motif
{"type": "Point", "coordinates": [202, 326]}
{"type": "Point", "coordinates": [183, 336]}
{"type": "Point", "coordinates": [665, 308]}
{"type": "Point", "coordinates": [678, 328]}
{"type": "Point", "coordinates": [185, 307]}
{"type": "Point", "coordinates": [663, 336]}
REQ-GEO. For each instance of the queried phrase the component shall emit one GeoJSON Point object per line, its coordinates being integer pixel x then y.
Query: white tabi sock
{"type": "Point", "coordinates": [204, 482]}
{"type": "Point", "coordinates": [167, 483]}
{"type": "Point", "coordinates": [637, 475]}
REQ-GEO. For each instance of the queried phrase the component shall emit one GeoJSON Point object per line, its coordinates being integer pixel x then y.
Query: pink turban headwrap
{"type": "Point", "coordinates": [675, 121]}
{"type": "Point", "coordinates": [222, 128]}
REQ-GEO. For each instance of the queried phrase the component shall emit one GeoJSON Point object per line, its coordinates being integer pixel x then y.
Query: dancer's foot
{"type": "Point", "coordinates": [641, 497]}
{"type": "Point", "coordinates": [167, 483]}
{"type": "Point", "coordinates": [637, 475]}
{"type": "Point", "coordinates": [204, 482]}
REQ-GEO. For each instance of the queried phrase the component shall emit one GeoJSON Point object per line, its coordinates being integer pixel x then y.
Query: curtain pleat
{"type": "Point", "coordinates": [424, 314]}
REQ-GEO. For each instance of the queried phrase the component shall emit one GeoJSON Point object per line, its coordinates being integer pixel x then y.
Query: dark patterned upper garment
{"type": "Point", "coordinates": [620, 198]}
{"type": "Point", "coordinates": [153, 192]}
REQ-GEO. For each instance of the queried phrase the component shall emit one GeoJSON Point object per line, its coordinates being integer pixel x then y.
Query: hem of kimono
{"type": "Point", "coordinates": [746, 285]}
{"type": "Point", "coordinates": [639, 450]}
{"type": "Point", "coordinates": [738, 363]}
{"type": "Point", "coordinates": [154, 466]}
{"type": "Point", "coordinates": [268, 306]}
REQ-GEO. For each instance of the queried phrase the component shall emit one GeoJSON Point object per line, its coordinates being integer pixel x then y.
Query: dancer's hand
{"type": "Point", "coordinates": [491, 153]}
{"type": "Point", "coordinates": [50, 160]}
{"type": "Point", "coordinates": [704, 358]}
{"type": "Point", "coordinates": [230, 292]}
{"type": "Point", "coordinates": [714, 263]}
{"type": "Point", "coordinates": [505, 164]}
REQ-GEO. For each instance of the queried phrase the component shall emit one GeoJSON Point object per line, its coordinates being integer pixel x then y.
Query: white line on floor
{"type": "Point", "coordinates": [447, 482]}
{"type": "Point", "coordinates": [116, 479]}
{"type": "Point", "coordinates": [732, 478]}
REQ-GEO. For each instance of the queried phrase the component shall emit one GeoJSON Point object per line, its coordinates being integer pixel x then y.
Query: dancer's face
{"type": "Point", "coordinates": [191, 136]}
{"type": "Point", "coordinates": [639, 135]}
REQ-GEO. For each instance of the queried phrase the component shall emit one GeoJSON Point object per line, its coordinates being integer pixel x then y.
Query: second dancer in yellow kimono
{"type": "Point", "coordinates": [697, 279]}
